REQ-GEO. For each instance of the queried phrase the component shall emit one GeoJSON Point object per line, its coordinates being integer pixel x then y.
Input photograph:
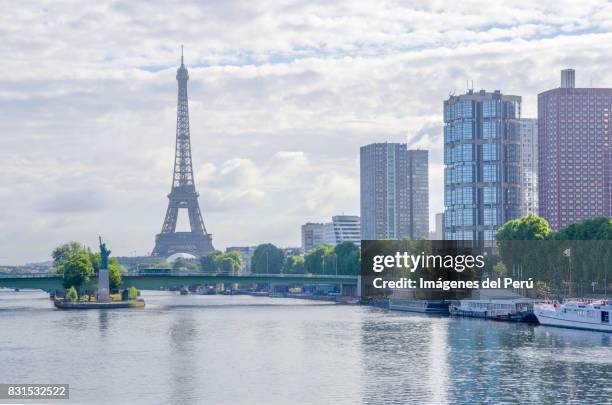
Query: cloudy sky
{"type": "Point", "coordinates": [282, 94]}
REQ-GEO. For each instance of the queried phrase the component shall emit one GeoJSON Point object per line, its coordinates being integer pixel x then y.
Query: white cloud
{"type": "Point", "coordinates": [281, 97]}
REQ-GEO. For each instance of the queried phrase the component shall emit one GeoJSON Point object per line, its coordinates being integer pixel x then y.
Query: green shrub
{"type": "Point", "coordinates": [72, 294]}
{"type": "Point", "coordinates": [133, 293]}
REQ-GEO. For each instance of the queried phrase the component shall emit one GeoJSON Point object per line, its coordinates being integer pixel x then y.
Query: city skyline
{"type": "Point", "coordinates": [277, 121]}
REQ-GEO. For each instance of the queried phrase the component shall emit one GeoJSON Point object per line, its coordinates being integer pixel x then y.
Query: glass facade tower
{"type": "Point", "coordinates": [481, 164]}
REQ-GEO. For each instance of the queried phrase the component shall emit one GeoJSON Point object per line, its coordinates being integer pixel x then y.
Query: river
{"type": "Point", "coordinates": [257, 350]}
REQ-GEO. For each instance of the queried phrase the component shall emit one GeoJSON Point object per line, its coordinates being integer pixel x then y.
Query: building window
{"type": "Point", "coordinates": [489, 152]}
{"type": "Point", "coordinates": [463, 174]}
{"type": "Point", "coordinates": [513, 196]}
{"type": "Point", "coordinates": [489, 129]}
{"type": "Point", "coordinates": [490, 216]}
{"type": "Point", "coordinates": [465, 217]}
{"type": "Point", "coordinates": [467, 109]}
{"type": "Point", "coordinates": [467, 130]}
{"type": "Point", "coordinates": [512, 174]}
{"type": "Point", "coordinates": [512, 153]}
{"type": "Point", "coordinates": [467, 153]}
{"type": "Point", "coordinates": [489, 108]}
{"type": "Point", "coordinates": [489, 195]}
{"type": "Point", "coordinates": [464, 235]}
{"type": "Point", "coordinates": [514, 130]}
{"type": "Point", "coordinates": [489, 172]}
{"type": "Point", "coordinates": [467, 195]}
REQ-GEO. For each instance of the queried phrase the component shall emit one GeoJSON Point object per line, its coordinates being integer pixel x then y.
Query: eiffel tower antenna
{"type": "Point", "coordinates": [183, 194]}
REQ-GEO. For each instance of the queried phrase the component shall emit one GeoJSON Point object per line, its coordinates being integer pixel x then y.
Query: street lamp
{"type": "Point", "coordinates": [323, 257]}
{"type": "Point", "coordinates": [336, 261]}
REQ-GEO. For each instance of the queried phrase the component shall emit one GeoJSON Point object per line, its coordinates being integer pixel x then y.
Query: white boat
{"type": "Point", "coordinates": [520, 310]}
{"type": "Point", "coordinates": [577, 315]}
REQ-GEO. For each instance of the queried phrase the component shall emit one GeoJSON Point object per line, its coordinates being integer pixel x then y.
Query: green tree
{"type": "Point", "coordinates": [590, 245]}
{"type": "Point", "coordinates": [320, 260]}
{"type": "Point", "coordinates": [62, 252]}
{"type": "Point", "coordinates": [347, 258]}
{"type": "Point", "coordinates": [72, 294]}
{"type": "Point", "coordinates": [294, 265]}
{"type": "Point", "coordinates": [530, 227]}
{"type": "Point", "coordinates": [530, 249]}
{"type": "Point", "coordinates": [267, 259]}
{"type": "Point", "coordinates": [208, 262]}
{"type": "Point", "coordinates": [230, 262]}
{"type": "Point", "coordinates": [527, 259]}
{"type": "Point", "coordinates": [77, 269]}
{"type": "Point", "coordinates": [599, 228]}
{"type": "Point", "coordinates": [500, 269]}
{"type": "Point", "coordinates": [114, 274]}
{"type": "Point", "coordinates": [180, 264]}
{"type": "Point", "coordinates": [215, 262]}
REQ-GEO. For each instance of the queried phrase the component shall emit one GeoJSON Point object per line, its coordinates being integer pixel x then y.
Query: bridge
{"type": "Point", "coordinates": [53, 281]}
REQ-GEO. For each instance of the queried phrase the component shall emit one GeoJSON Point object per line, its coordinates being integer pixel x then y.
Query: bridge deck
{"type": "Point", "coordinates": [51, 281]}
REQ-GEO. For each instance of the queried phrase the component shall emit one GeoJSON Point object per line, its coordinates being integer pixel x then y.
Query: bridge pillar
{"type": "Point", "coordinates": [349, 291]}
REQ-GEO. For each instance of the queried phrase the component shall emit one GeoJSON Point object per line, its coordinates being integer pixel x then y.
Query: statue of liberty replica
{"type": "Point", "coordinates": [103, 283]}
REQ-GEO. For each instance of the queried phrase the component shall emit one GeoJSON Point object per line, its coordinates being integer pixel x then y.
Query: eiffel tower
{"type": "Point", "coordinates": [183, 194]}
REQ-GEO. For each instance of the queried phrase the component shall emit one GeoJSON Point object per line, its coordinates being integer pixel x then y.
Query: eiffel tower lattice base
{"type": "Point", "coordinates": [183, 194]}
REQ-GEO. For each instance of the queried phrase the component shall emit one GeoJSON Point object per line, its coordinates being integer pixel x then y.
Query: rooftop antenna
{"type": "Point", "coordinates": [181, 54]}
{"type": "Point", "coordinates": [468, 87]}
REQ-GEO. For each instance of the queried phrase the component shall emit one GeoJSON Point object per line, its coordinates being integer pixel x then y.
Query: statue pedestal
{"type": "Point", "coordinates": [103, 286]}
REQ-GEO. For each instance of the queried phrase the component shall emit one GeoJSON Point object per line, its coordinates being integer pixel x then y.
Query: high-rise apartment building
{"type": "Point", "coordinates": [343, 228]}
{"type": "Point", "coordinates": [418, 197]}
{"type": "Point", "coordinates": [482, 164]}
{"type": "Point", "coordinates": [529, 166]}
{"type": "Point", "coordinates": [575, 160]}
{"type": "Point", "coordinates": [394, 192]}
{"type": "Point", "coordinates": [313, 235]}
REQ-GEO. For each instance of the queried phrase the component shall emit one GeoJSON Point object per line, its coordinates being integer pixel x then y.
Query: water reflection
{"type": "Point", "coordinates": [402, 352]}
{"type": "Point", "coordinates": [183, 362]}
{"type": "Point", "coordinates": [102, 322]}
{"type": "Point", "coordinates": [516, 363]}
{"type": "Point", "coordinates": [438, 360]}
{"type": "Point", "coordinates": [548, 335]}
{"type": "Point", "coordinates": [244, 350]}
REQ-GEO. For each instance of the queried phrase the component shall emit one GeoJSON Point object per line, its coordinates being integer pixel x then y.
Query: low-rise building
{"type": "Point", "coordinates": [313, 235]}
{"type": "Point", "coordinates": [343, 228]}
